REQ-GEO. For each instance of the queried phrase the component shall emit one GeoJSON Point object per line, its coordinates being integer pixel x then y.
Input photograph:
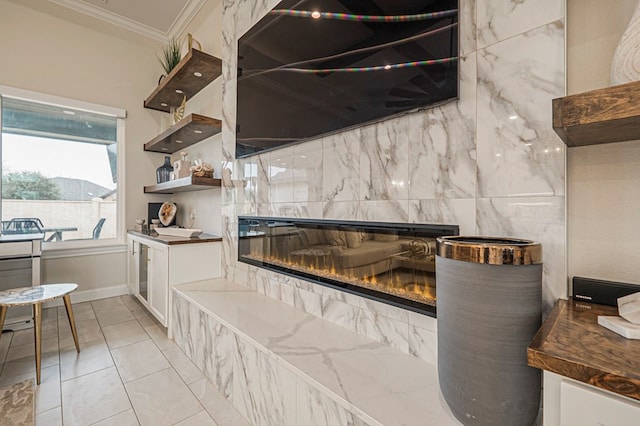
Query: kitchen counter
{"type": "Point", "coordinates": [171, 240]}
{"type": "Point", "coordinates": [572, 344]}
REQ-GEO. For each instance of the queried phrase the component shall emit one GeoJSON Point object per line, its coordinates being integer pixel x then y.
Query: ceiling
{"type": "Point", "coordinates": [155, 19]}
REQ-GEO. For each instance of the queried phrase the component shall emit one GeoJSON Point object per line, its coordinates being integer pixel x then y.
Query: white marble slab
{"type": "Point", "coordinates": [442, 143]}
{"type": "Point", "coordinates": [498, 20]}
{"type": "Point", "coordinates": [518, 152]}
{"type": "Point", "coordinates": [276, 342]}
{"type": "Point", "coordinates": [384, 159]}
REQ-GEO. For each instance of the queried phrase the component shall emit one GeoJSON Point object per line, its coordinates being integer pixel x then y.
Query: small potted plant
{"type": "Point", "coordinates": [171, 55]}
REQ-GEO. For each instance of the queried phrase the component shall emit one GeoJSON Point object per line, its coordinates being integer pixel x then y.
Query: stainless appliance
{"type": "Point", "coordinates": [19, 267]}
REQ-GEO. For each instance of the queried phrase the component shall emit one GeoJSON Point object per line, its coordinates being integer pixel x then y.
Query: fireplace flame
{"type": "Point", "coordinates": [402, 284]}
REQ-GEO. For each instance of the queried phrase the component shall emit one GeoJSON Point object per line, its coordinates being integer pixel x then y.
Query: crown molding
{"type": "Point", "coordinates": [185, 16]}
{"type": "Point", "coordinates": [177, 27]}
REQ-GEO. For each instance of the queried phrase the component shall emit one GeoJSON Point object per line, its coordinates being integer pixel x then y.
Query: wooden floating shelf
{"type": "Point", "coordinates": [600, 116]}
{"type": "Point", "coordinates": [183, 78]}
{"type": "Point", "coordinates": [188, 131]}
{"type": "Point", "coordinates": [186, 184]}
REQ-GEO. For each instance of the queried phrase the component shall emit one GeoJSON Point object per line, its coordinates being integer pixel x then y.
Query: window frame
{"type": "Point", "coordinates": [120, 115]}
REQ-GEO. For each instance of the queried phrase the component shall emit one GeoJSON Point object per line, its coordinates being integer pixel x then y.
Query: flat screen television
{"type": "Point", "coordinates": [315, 67]}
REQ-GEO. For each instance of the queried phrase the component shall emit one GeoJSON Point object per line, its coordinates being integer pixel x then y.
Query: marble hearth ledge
{"type": "Point", "coordinates": [572, 344]}
{"type": "Point", "coordinates": [376, 383]}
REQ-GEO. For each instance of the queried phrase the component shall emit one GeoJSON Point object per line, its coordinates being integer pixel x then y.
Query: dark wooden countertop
{"type": "Point", "coordinates": [171, 240]}
{"type": "Point", "coordinates": [572, 344]}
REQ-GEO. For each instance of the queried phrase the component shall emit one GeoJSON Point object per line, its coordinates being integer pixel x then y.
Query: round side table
{"type": "Point", "coordinates": [36, 296]}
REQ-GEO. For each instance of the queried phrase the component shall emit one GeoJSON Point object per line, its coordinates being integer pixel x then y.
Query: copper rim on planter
{"type": "Point", "coordinates": [490, 250]}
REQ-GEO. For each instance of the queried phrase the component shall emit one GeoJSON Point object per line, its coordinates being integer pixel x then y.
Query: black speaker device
{"type": "Point", "coordinates": [600, 291]}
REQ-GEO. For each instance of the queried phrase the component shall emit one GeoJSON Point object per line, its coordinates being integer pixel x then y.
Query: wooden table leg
{"type": "Point", "coordinates": [37, 315]}
{"type": "Point", "coordinates": [72, 321]}
{"type": "Point", "coordinates": [3, 315]}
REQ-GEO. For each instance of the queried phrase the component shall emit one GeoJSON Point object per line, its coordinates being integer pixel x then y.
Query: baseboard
{"type": "Point", "coordinates": [80, 296]}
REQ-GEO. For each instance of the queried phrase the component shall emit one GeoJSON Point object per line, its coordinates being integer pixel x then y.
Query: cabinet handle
{"type": "Point", "coordinates": [133, 248]}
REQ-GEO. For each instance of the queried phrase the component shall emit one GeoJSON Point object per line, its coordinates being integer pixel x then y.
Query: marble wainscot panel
{"type": "Point", "coordinates": [442, 144]}
{"type": "Point", "coordinates": [498, 20]}
{"type": "Point", "coordinates": [384, 159]}
{"type": "Point", "coordinates": [518, 152]}
{"type": "Point", "coordinates": [209, 345]}
{"type": "Point", "coordinates": [307, 172]}
{"type": "Point", "coordinates": [467, 25]}
{"type": "Point", "coordinates": [341, 168]}
{"type": "Point", "coordinates": [283, 355]}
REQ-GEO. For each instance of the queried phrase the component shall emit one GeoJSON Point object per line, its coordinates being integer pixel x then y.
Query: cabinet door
{"type": "Point", "coordinates": [158, 282]}
{"type": "Point", "coordinates": [132, 265]}
{"type": "Point", "coordinates": [588, 406]}
{"type": "Point", "coordinates": [143, 272]}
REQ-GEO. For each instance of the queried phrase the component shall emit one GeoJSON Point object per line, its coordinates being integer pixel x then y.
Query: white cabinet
{"type": "Point", "coordinates": [155, 267]}
{"type": "Point", "coordinates": [584, 405]}
{"type": "Point", "coordinates": [159, 281]}
{"type": "Point", "coordinates": [148, 277]}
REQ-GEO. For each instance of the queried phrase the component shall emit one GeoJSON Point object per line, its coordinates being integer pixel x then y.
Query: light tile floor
{"type": "Point", "coordinates": [127, 371]}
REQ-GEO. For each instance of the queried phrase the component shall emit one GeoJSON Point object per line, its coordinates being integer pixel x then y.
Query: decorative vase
{"type": "Point", "coordinates": [489, 309]}
{"type": "Point", "coordinates": [625, 66]}
{"type": "Point", "coordinates": [163, 173]}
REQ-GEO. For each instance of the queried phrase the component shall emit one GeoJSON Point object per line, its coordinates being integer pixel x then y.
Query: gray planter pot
{"type": "Point", "coordinates": [489, 308]}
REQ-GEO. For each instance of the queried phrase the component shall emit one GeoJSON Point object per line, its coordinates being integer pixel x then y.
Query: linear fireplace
{"type": "Point", "coordinates": [392, 263]}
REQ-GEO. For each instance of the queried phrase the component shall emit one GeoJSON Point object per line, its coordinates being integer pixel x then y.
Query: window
{"type": "Point", "coordinates": [60, 169]}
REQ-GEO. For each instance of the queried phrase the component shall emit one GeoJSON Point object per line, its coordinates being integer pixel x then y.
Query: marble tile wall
{"type": "Point", "coordinates": [488, 162]}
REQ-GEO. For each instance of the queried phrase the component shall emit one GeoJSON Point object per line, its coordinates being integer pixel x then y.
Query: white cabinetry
{"type": "Point", "coordinates": [155, 267]}
{"type": "Point", "coordinates": [148, 278]}
{"type": "Point", "coordinates": [158, 267]}
{"type": "Point", "coordinates": [584, 405]}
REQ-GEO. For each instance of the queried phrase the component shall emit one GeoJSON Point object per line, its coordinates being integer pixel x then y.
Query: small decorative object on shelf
{"type": "Point", "coordinates": [163, 173]}
{"type": "Point", "coordinates": [190, 41]}
{"type": "Point", "coordinates": [201, 169]}
{"type": "Point", "coordinates": [167, 212]}
{"type": "Point", "coordinates": [181, 167]}
{"type": "Point", "coordinates": [178, 114]}
{"type": "Point", "coordinates": [139, 225]}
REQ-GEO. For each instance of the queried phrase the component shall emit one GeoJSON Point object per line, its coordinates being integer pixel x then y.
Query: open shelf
{"type": "Point", "coordinates": [600, 116]}
{"type": "Point", "coordinates": [188, 131]}
{"type": "Point", "coordinates": [189, 183]}
{"type": "Point", "coordinates": [183, 78]}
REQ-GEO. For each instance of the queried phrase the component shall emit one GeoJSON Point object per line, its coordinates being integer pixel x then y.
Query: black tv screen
{"type": "Point", "coordinates": [314, 67]}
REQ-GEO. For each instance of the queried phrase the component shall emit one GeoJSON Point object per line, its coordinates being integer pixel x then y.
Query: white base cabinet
{"type": "Point", "coordinates": [155, 267]}
{"type": "Point", "coordinates": [568, 402]}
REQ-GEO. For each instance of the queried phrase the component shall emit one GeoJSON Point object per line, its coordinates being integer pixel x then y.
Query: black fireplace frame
{"type": "Point", "coordinates": [245, 223]}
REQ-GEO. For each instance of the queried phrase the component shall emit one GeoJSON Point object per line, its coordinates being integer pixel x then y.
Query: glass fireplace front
{"type": "Point", "coordinates": [392, 263]}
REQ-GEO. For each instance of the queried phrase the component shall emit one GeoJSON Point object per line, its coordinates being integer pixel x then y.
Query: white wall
{"type": "Point", "coordinates": [60, 54]}
{"type": "Point", "coordinates": [603, 204]}
{"type": "Point", "coordinates": [205, 204]}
